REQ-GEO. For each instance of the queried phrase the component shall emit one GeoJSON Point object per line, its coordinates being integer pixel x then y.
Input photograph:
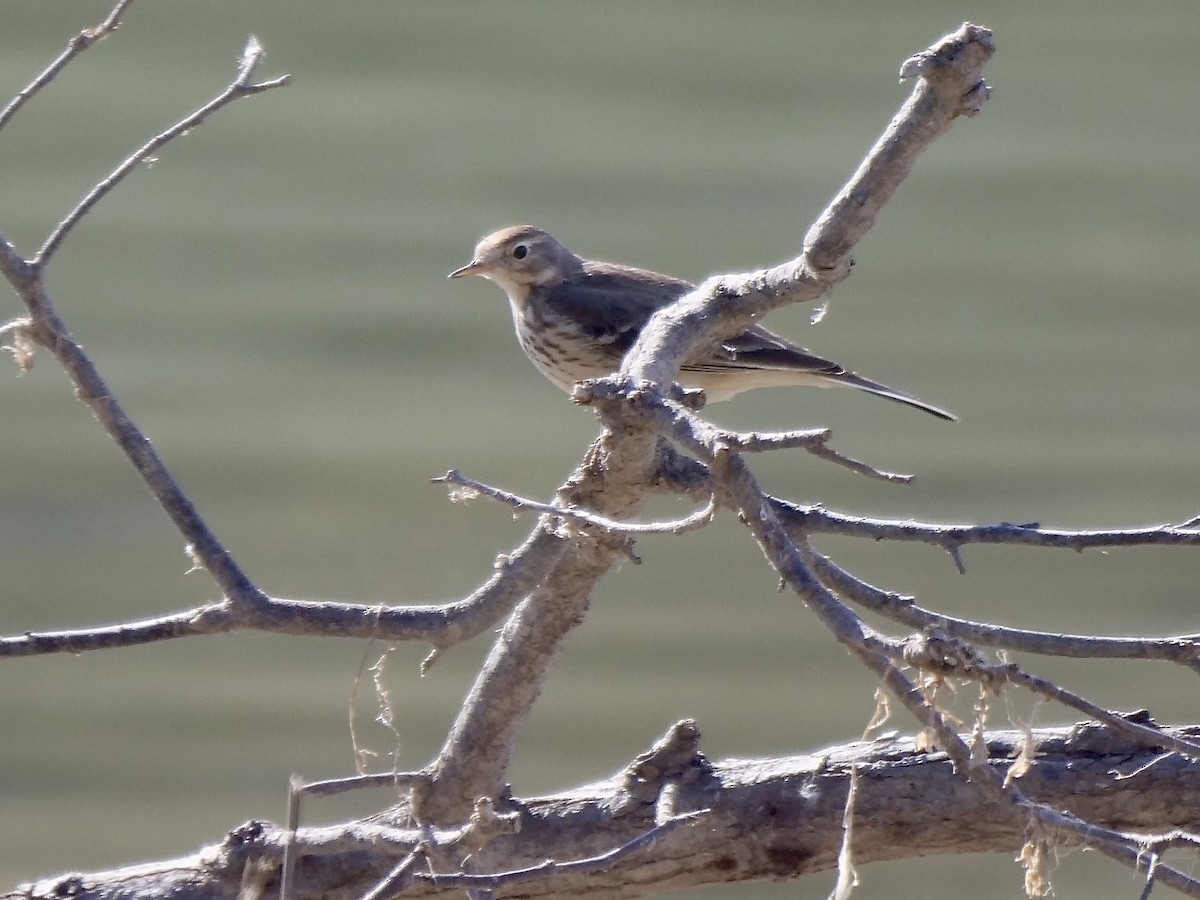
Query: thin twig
{"type": "Point", "coordinates": [443, 625]}
{"type": "Point", "coordinates": [814, 519]}
{"type": "Point", "coordinates": [698, 519]}
{"type": "Point", "coordinates": [814, 441]}
{"type": "Point", "coordinates": [1146, 735]}
{"type": "Point", "coordinates": [1124, 848]}
{"type": "Point", "coordinates": [734, 480]}
{"type": "Point", "coordinates": [591, 864]}
{"type": "Point", "coordinates": [333, 786]}
{"type": "Point", "coordinates": [75, 46]}
{"type": "Point", "coordinates": [239, 88]}
{"type": "Point", "coordinates": [1181, 649]}
{"type": "Point", "coordinates": [391, 884]}
{"type": "Point", "coordinates": [856, 465]}
{"type": "Point", "coordinates": [48, 329]}
{"type": "Point", "coordinates": [1175, 838]}
{"type": "Point", "coordinates": [683, 474]}
{"type": "Point", "coordinates": [287, 878]}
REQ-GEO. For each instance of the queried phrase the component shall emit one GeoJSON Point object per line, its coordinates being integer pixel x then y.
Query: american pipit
{"type": "Point", "coordinates": [576, 319]}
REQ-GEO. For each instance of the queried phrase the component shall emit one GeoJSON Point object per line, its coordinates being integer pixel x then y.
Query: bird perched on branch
{"type": "Point", "coordinates": [576, 319]}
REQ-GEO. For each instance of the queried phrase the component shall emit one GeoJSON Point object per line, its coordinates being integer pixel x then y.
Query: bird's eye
{"type": "Point", "coordinates": [520, 251]}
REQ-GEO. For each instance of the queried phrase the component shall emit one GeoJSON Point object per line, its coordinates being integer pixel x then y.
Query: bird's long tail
{"type": "Point", "coordinates": [854, 380]}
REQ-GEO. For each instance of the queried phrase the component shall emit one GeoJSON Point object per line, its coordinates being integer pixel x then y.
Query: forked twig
{"type": "Point", "coordinates": [240, 87]}
{"type": "Point", "coordinates": [814, 441]}
{"type": "Point", "coordinates": [46, 328]}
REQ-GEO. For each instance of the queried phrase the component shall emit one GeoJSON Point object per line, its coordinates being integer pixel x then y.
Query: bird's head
{"type": "Point", "coordinates": [519, 258]}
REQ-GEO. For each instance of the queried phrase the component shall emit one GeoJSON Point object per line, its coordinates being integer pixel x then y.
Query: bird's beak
{"type": "Point", "coordinates": [474, 267]}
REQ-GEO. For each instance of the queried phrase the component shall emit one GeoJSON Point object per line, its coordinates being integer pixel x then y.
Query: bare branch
{"type": "Point", "coordinates": [240, 87]}
{"type": "Point", "coordinates": [761, 442]}
{"type": "Point", "coordinates": [591, 865]}
{"type": "Point", "coordinates": [1181, 649]}
{"type": "Point", "coordinates": [698, 519]}
{"type": "Point", "coordinates": [331, 787]}
{"type": "Point", "coordinates": [1147, 735]}
{"type": "Point", "coordinates": [46, 328]}
{"type": "Point", "coordinates": [475, 756]}
{"type": "Point", "coordinates": [678, 473]}
{"type": "Point", "coordinates": [814, 441]}
{"type": "Point", "coordinates": [676, 420]}
{"type": "Point", "coordinates": [80, 42]}
{"type": "Point", "coordinates": [799, 801]}
{"type": "Point", "coordinates": [816, 519]}
{"type": "Point", "coordinates": [443, 625]}
{"type": "Point", "coordinates": [951, 85]}
{"type": "Point", "coordinates": [737, 485]}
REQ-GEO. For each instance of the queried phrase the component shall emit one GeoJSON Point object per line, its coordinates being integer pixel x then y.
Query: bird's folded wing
{"type": "Point", "coordinates": [758, 348]}
{"type": "Point", "coordinates": [610, 305]}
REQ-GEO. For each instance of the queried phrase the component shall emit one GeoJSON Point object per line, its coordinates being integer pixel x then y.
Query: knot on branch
{"type": "Point", "coordinates": [632, 392]}
{"type": "Point", "coordinates": [935, 653]}
{"type": "Point", "coordinates": [486, 824]}
{"type": "Point", "coordinates": [249, 834]}
{"type": "Point", "coordinates": [956, 57]}
{"type": "Point", "coordinates": [1107, 738]}
{"type": "Point", "coordinates": [674, 759]}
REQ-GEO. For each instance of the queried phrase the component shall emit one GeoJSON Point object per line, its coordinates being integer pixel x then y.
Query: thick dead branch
{"type": "Point", "coordinates": [758, 819]}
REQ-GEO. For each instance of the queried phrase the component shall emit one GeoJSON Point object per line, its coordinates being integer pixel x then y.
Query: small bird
{"type": "Point", "coordinates": [576, 319]}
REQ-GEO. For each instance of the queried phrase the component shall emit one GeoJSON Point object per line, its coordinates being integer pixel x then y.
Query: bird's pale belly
{"type": "Point", "coordinates": [564, 361]}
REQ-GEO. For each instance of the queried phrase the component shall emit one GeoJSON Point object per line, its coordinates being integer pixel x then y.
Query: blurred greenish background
{"type": "Point", "coordinates": [269, 302]}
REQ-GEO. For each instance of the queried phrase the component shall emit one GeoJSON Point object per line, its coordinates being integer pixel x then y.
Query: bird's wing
{"type": "Point", "coordinates": [610, 304]}
{"type": "Point", "coordinates": [758, 348]}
